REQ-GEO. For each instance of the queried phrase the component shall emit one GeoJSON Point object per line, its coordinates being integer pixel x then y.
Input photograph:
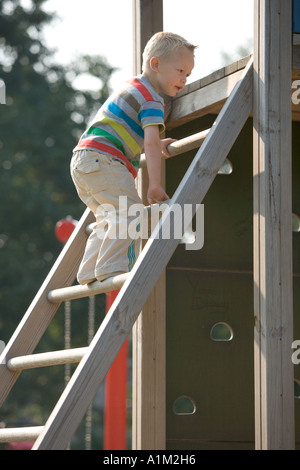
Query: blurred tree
{"type": "Point", "coordinates": [241, 51]}
{"type": "Point", "coordinates": [40, 124]}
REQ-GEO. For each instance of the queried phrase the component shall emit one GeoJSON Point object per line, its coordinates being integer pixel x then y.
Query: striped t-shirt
{"type": "Point", "coordinates": [118, 127]}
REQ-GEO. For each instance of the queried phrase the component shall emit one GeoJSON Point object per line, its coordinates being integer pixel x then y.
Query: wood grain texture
{"type": "Point", "coordinates": [273, 296]}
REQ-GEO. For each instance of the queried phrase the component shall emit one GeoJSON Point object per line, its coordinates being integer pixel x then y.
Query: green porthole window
{"type": "Point", "coordinates": [221, 331]}
{"type": "Point", "coordinates": [184, 405]}
{"type": "Point", "coordinates": [295, 223]}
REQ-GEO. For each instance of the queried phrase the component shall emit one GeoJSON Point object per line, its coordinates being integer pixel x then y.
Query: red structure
{"type": "Point", "coordinates": [64, 229]}
{"type": "Point", "coordinates": [115, 411]}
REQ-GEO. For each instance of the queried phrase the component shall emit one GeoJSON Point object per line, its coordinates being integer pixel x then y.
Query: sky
{"type": "Point", "coordinates": [104, 27]}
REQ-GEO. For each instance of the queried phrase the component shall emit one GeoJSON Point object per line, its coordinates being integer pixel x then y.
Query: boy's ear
{"type": "Point", "coordinates": [154, 64]}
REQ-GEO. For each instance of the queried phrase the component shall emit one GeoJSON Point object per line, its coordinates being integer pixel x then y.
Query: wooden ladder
{"type": "Point", "coordinates": [96, 359]}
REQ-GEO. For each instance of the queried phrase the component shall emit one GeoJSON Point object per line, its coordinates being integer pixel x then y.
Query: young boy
{"type": "Point", "coordinates": [105, 161]}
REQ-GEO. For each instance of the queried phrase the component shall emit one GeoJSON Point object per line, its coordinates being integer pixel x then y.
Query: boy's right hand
{"type": "Point", "coordinates": [156, 194]}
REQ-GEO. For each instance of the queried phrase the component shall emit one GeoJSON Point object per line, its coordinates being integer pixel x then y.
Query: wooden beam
{"type": "Point", "coordinates": [273, 298]}
{"type": "Point", "coordinates": [148, 338]}
{"type": "Point", "coordinates": [147, 20]}
{"type": "Point", "coordinates": [118, 322]}
{"type": "Point", "coordinates": [207, 99]}
{"type": "Point", "coordinates": [208, 94]}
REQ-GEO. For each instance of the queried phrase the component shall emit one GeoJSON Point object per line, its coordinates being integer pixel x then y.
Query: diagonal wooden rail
{"type": "Point", "coordinates": [95, 364]}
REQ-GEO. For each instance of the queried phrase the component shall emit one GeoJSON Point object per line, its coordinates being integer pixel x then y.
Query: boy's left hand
{"type": "Point", "coordinates": [164, 146]}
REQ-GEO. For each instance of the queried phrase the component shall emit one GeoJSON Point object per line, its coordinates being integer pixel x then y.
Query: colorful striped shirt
{"type": "Point", "coordinates": [118, 127]}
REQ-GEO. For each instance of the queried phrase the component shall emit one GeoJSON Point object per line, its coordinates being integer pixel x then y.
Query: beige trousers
{"type": "Point", "coordinates": [101, 183]}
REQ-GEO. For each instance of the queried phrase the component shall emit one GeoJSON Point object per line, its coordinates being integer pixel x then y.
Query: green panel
{"type": "Point", "coordinates": [228, 209]}
{"type": "Point", "coordinates": [215, 375]}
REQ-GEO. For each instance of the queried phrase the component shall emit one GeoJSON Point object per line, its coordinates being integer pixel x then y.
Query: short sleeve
{"type": "Point", "coordinates": [151, 114]}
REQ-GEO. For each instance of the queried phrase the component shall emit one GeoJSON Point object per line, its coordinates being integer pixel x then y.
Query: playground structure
{"type": "Point", "coordinates": [251, 96]}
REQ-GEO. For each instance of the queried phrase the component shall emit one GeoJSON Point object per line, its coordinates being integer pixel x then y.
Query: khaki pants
{"type": "Point", "coordinates": [101, 181]}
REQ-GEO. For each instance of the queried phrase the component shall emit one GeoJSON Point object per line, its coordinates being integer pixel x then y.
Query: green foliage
{"type": "Point", "coordinates": [40, 124]}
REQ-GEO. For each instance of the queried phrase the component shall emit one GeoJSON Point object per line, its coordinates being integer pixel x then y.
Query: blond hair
{"type": "Point", "coordinates": [163, 44]}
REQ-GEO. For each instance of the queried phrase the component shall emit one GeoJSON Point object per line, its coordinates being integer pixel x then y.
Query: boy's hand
{"type": "Point", "coordinates": [164, 145]}
{"type": "Point", "coordinates": [156, 194]}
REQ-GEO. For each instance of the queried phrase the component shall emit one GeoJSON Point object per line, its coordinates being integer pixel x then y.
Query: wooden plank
{"type": "Point", "coordinates": [296, 57]}
{"type": "Point", "coordinates": [208, 99]}
{"type": "Point", "coordinates": [296, 39]}
{"type": "Point", "coordinates": [147, 20]}
{"type": "Point", "coordinates": [118, 322]}
{"type": "Point", "coordinates": [273, 297]}
{"type": "Point", "coordinates": [207, 96]}
{"type": "Point", "coordinates": [41, 311]}
{"type": "Point", "coordinates": [149, 374]}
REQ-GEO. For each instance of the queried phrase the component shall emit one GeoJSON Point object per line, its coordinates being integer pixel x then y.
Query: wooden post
{"type": "Point", "coordinates": [149, 375]}
{"type": "Point", "coordinates": [273, 300]}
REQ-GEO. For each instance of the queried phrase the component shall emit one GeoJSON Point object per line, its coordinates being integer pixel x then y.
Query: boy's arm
{"type": "Point", "coordinates": [152, 148]}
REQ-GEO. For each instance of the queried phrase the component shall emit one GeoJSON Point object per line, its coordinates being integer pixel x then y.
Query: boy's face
{"type": "Point", "coordinates": [171, 73]}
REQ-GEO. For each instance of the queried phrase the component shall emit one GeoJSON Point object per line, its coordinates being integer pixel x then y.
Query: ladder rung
{"type": "Point", "coordinates": [46, 359]}
{"type": "Point", "coordinates": [20, 434]}
{"type": "Point", "coordinates": [87, 290]}
{"type": "Point", "coordinates": [190, 143]}
{"type": "Point", "coordinates": [182, 145]}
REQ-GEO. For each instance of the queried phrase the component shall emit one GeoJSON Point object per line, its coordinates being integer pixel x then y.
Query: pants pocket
{"type": "Point", "coordinates": [87, 161]}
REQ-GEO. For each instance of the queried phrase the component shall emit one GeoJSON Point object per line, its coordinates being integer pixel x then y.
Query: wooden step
{"type": "Point", "coordinates": [20, 434]}
{"type": "Point", "coordinates": [78, 291]}
{"type": "Point", "coordinates": [52, 358]}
